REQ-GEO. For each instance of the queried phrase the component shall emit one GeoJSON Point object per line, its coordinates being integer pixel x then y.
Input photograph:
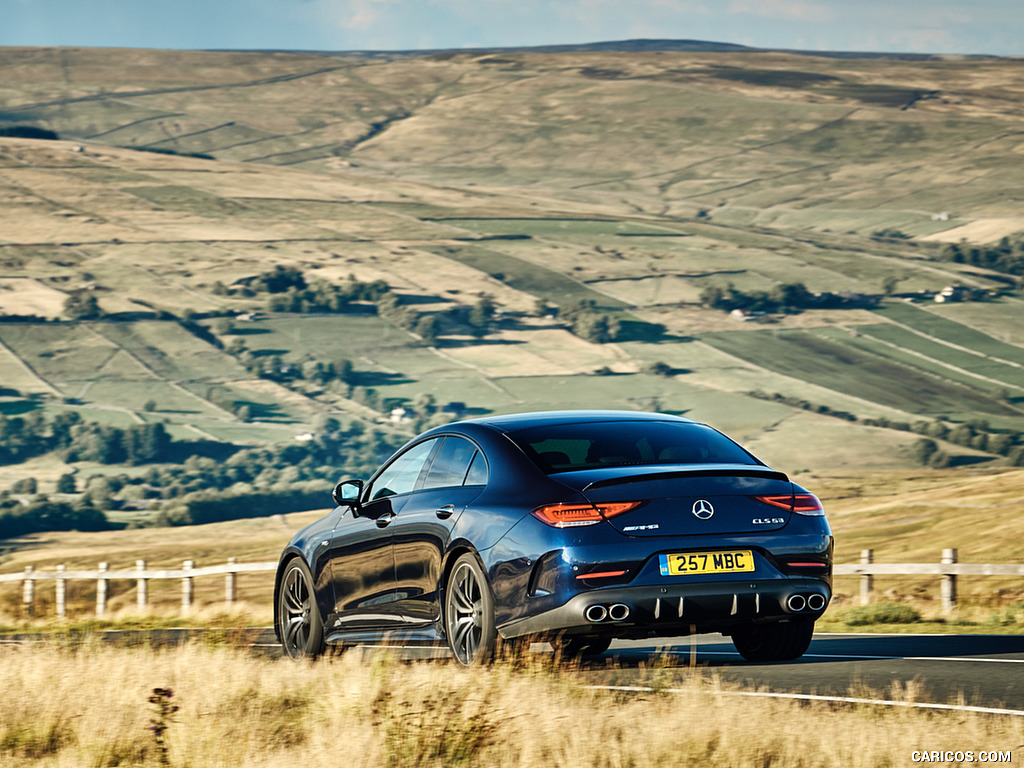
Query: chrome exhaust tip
{"type": "Point", "coordinates": [595, 613]}
{"type": "Point", "coordinates": [796, 603]}
{"type": "Point", "coordinates": [816, 601]}
{"type": "Point", "coordinates": [618, 612]}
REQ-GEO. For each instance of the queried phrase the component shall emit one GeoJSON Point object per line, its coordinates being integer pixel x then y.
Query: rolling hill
{"type": "Point", "coordinates": [634, 181]}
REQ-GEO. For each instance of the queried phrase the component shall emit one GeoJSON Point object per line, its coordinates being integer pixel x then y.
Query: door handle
{"type": "Point", "coordinates": [384, 520]}
{"type": "Point", "coordinates": [445, 512]}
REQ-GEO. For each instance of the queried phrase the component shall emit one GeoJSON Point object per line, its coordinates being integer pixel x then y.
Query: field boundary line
{"type": "Point", "coordinates": [950, 366]}
{"type": "Point", "coordinates": [173, 384]}
{"type": "Point", "coordinates": [817, 697]}
{"type": "Point", "coordinates": [30, 370]}
{"type": "Point", "coordinates": [823, 389]}
{"type": "Point", "coordinates": [950, 343]}
{"type": "Point", "coordinates": [483, 373]}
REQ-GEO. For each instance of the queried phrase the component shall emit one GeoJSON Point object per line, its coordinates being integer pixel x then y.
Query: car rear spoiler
{"type": "Point", "coordinates": [769, 474]}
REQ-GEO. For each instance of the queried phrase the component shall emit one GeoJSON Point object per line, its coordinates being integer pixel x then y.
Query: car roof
{"type": "Point", "coordinates": [515, 421]}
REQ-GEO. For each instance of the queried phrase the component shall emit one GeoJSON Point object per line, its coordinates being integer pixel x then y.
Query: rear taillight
{"type": "Point", "coordinates": [802, 503]}
{"type": "Point", "coordinates": [573, 515]}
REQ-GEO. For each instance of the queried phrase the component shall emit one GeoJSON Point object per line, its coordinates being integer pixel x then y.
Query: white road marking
{"type": "Point", "coordinates": [813, 697]}
{"type": "Point", "coordinates": [874, 658]}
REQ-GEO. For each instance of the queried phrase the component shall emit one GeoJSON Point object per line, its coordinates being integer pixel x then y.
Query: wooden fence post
{"type": "Point", "coordinates": [186, 587]}
{"type": "Point", "coordinates": [948, 587]}
{"type": "Point", "coordinates": [229, 582]}
{"type": "Point", "coordinates": [62, 592]}
{"type": "Point", "coordinates": [101, 592]}
{"type": "Point", "coordinates": [141, 586]}
{"type": "Point", "coordinates": [867, 581]}
{"type": "Point", "coordinates": [28, 594]}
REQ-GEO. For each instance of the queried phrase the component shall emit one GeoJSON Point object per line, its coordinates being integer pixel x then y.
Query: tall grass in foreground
{"type": "Point", "coordinates": [92, 707]}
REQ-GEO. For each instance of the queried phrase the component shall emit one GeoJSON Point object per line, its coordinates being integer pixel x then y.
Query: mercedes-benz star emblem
{"type": "Point", "coordinates": [702, 508]}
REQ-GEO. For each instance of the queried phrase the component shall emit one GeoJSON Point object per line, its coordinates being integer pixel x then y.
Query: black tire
{"type": "Point", "coordinates": [576, 646]}
{"type": "Point", "coordinates": [773, 642]}
{"type": "Point", "coordinates": [469, 613]}
{"type": "Point", "coordinates": [299, 625]}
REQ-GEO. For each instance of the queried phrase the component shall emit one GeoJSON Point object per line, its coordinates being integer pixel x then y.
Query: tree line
{"type": "Point", "coordinates": [73, 439]}
{"type": "Point", "coordinates": [790, 298]}
{"type": "Point", "coordinates": [246, 482]}
{"type": "Point", "coordinates": [1006, 256]}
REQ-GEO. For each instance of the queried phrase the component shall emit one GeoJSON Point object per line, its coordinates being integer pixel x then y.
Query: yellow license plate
{"type": "Point", "coordinates": [736, 561]}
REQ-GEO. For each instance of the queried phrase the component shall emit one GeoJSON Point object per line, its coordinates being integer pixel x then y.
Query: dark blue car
{"type": "Point", "coordinates": [574, 527]}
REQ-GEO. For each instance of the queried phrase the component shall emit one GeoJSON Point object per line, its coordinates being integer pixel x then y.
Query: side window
{"type": "Point", "coordinates": [451, 463]}
{"type": "Point", "coordinates": [477, 474]}
{"type": "Point", "coordinates": [401, 475]}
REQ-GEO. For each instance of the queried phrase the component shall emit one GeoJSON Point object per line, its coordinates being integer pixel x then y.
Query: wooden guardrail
{"type": "Point", "coordinates": [187, 573]}
{"type": "Point", "coordinates": [948, 570]}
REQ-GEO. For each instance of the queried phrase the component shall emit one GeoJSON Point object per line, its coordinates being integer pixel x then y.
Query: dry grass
{"type": "Point", "coordinates": [88, 707]}
{"type": "Point", "coordinates": [24, 296]}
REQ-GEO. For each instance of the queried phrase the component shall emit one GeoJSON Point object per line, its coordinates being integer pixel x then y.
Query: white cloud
{"type": "Point", "coordinates": [801, 10]}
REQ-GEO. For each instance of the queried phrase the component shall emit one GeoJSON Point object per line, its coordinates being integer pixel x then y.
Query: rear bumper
{"type": "Point", "coordinates": [672, 610]}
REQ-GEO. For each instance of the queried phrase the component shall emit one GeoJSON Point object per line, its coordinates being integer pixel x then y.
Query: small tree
{"type": "Point", "coordinates": [922, 450]}
{"type": "Point", "coordinates": [428, 328]}
{"type": "Point", "coordinates": [66, 483]}
{"type": "Point", "coordinates": [82, 307]}
{"type": "Point", "coordinates": [659, 369]}
{"type": "Point", "coordinates": [480, 317]}
{"type": "Point", "coordinates": [26, 485]}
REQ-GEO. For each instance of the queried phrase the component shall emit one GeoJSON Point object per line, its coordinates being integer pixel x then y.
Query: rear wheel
{"type": "Point", "coordinates": [298, 619]}
{"type": "Point", "coordinates": [773, 642]}
{"type": "Point", "coordinates": [469, 613]}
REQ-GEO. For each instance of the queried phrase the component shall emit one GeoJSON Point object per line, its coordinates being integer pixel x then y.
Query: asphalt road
{"type": "Point", "coordinates": [978, 670]}
{"type": "Point", "coordinates": [985, 670]}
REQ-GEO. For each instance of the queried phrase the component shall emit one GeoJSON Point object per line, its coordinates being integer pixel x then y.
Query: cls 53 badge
{"type": "Point", "coordinates": [768, 521]}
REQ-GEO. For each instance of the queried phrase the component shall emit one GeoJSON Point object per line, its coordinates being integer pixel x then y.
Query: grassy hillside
{"type": "Point", "coordinates": [632, 181]}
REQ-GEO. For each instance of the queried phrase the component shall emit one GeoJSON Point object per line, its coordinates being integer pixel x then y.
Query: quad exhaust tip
{"type": "Point", "coordinates": [812, 602]}
{"type": "Point", "coordinates": [595, 614]}
{"type": "Point", "coordinates": [618, 612]}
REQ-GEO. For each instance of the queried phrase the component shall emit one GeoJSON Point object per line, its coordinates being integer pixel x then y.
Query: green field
{"type": "Point", "coordinates": [524, 276]}
{"type": "Point", "coordinates": [942, 328]}
{"type": "Point", "coordinates": [955, 356]}
{"type": "Point", "coordinates": [842, 365]}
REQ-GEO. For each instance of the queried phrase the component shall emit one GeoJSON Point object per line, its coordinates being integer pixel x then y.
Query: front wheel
{"type": "Point", "coordinates": [773, 642]}
{"type": "Point", "coordinates": [298, 619]}
{"type": "Point", "coordinates": [469, 613]}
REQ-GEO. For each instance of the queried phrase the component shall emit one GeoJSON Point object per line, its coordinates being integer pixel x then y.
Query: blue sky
{"type": "Point", "coordinates": [920, 26]}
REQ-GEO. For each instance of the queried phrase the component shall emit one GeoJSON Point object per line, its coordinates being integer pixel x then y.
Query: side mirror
{"type": "Point", "coordinates": [347, 492]}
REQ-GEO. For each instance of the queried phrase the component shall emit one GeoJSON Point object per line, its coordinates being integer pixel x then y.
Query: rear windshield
{"type": "Point", "coordinates": [593, 445]}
